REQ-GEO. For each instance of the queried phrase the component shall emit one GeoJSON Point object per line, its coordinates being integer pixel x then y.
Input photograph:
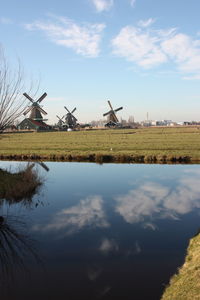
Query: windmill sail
{"type": "Point", "coordinates": [112, 118]}
{"type": "Point", "coordinates": [35, 108]}
{"type": "Point", "coordinates": [70, 119]}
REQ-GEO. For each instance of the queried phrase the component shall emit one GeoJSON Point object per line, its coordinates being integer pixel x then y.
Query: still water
{"type": "Point", "coordinates": [112, 231]}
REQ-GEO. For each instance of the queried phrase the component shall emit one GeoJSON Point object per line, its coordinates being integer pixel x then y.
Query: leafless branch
{"type": "Point", "coordinates": [12, 86]}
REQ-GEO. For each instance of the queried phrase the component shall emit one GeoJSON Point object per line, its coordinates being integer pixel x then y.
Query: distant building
{"type": "Point", "coordinates": [147, 123]}
{"type": "Point", "coordinates": [10, 128]}
{"type": "Point", "coordinates": [191, 123]}
{"type": "Point", "coordinates": [165, 123]}
{"type": "Point", "coordinates": [30, 124]}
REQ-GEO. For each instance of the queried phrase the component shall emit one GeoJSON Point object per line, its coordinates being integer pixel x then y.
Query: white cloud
{"type": "Point", "coordinates": [103, 5]}
{"type": "Point", "coordinates": [138, 46]}
{"type": "Point", "coordinates": [192, 77]}
{"type": "Point", "coordinates": [186, 197]}
{"type": "Point", "coordinates": [108, 245]}
{"type": "Point", "coordinates": [132, 2]}
{"type": "Point", "coordinates": [83, 39]}
{"type": "Point", "coordinates": [150, 225]}
{"type": "Point", "coordinates": [146, 23]}
{"type": "Point", "coordinates": [184, 51]}
{"type": "Point", "coordinates": [94, 272]}
{"type": "Point", "coordinates": [142, 202]}
{"type": "Point", "coordinates": [149, 47]}
{"type": "Point", "coordinates": [89, 212]}
{"type": "Point", "coordinates": [152, 200]}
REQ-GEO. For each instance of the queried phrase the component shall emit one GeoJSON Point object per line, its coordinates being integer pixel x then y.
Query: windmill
{"type": "Point", "coordinates": [70, 120]}
{"type": "Point", "coordinates": [112, 118]}
{"type": "Point", "coordinates": [35, 108]}
{"type": "Point", "coordinates": [60, 122]}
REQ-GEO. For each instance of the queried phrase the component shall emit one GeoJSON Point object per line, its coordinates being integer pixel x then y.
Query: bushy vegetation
{"type": "Point", "coordinates": [186, 284]}
{"type": "Point", "coordinates": [145, 144]}
{"type": "Point", "coordinates": [17, 186]}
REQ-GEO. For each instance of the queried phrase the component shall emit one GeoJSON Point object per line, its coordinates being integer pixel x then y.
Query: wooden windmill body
{"type": "Point", "coordinates": [70, 120]}
{"type": "Point", "coordinates": [35, 108]}
{"type": "Point", "coordinates": [61, 124]}
{"type": "Point", "coordinates": [112, 119]}
{"type": "Point", "coordinates": [35, 120]}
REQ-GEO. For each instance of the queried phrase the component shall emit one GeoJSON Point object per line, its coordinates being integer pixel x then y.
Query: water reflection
{"type": "Point", "coordinates": [19, 186]}
{"type": "Point", "coordinates": [185, 197]}
{"type": "Point", "coordinates": [108, 246]}
{"type": "Point", "coordinates": [17, 250]}
{"type": "Point", "coordinates": [145, 203]}
{"type": "Point", "coordinates": [94, 272]}
{"type": "Point", "coordinates": [117, 239]}
{"type": "Point", "coordinates": [152, 200]}
{"type": "Point", "coordinates": [88, 213]}
{"type": "Point", "coordinates": [141, 202]}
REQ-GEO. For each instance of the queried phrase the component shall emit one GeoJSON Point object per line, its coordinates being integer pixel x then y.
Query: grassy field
{"type": "Point", "coordinates": [146, 144]}
{"type": "Point", "coordinates": [186, 284]}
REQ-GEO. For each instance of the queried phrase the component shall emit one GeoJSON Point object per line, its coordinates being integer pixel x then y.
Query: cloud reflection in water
{"type": "Point", "coordinates": [159, 201]}
{"type": "Point", "coordinates": [141, 202]}
{"type": "Point", "coordinates": [108, 246]}
{"type": "Point", "coordinates": [89, 212]}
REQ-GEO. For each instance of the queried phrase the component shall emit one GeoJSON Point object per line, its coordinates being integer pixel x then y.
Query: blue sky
{"type": "Point", "coordinates": [143, 55]}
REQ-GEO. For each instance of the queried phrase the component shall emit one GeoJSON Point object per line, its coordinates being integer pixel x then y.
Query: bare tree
{"type": "Point", "coordinates": [12, 84]}
{"type": "Point", "coordinates": [131, 120]}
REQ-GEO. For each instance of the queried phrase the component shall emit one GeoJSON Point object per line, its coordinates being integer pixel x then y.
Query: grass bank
{"type": "Point", "coordinates": [20, 185]}
{"type": "Point", "coordinates": [186, 284]}
{"type": "Point", "coordinates": [130, 145]}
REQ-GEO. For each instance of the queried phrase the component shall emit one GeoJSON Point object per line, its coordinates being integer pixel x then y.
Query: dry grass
{"type": "Point", "coordinates": [186, 284]}
{"type": "Point", "coordinates": [17, 186]}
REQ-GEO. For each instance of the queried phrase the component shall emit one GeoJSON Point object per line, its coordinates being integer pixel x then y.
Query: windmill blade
{"type": "Point", "coordinates": [42, 110]}
{"type": "Point", "coordinates": [67, 109]}
{"type": "Point", "coordinates": [74, 118]}
{"type": "Point", "coordinates": [60, 119]}
{"type": "Point", "coordinates": [26, 111]}
{"type": "Point", "coordinates": [42, 97]}
{"type": "Point", "coordinates": [107, 113]}
{"type": "Point", "coordinates": [118, 109]}
{"type": "Point", "coordinates": [28, 97]}
{"type": "Point", "coordinates": [73, 110]}
{"type": "Point", "coordinates": [43, 165]}
{"type": "Point", "coordinates": [110, 105]}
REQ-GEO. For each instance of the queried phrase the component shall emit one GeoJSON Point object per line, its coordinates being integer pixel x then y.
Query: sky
{"type": "Point", "coordinates": [143, 55]}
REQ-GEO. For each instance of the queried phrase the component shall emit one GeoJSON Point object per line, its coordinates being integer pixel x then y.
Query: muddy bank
{"type": "Point", "coordinates": [103, 158]}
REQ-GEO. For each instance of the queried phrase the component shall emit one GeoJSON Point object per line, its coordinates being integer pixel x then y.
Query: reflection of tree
{"type": "Point", "coordinates": [16, 251]}
{"type": "Point", "coordinates": [19, 186]}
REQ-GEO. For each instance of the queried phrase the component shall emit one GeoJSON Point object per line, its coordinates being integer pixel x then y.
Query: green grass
{"type": "Point", "coordinates": [147, 143]}
{"type": "Point", "coordinates": [186, 284]}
